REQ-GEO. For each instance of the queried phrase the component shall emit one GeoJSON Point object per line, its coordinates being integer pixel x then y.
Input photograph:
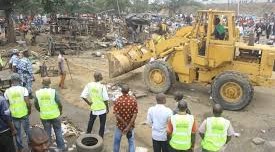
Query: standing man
{"type": "Point", "coordinates": [14, 60]}
{"type": "Point", "coordinates": [48, 103]}
{"type": "Point", "coordinates": [158, 117]}
{"type": "Point", "coordinates": [25, 71]}
{"type": "Point", "coordinates": [96, 96]}
{"type": "Point", "coordinates": [39, 140]}
{"type": "Point", "coordinates": [7, 129]}
{"type": "Point", "coordinates": [20, 108]}
{"type": "Point", "coordinates": [125, 110]}
{"type": "Point", "coordinates": [178, 96]}
{"type": "Point", "coordinates": [215, 131]}
{"type": "Point", "coordinates": [1, 63]}
{"type": "Point", "coordinates": [61, 69]}
{"type": "Point", "coordinates": [182, 128]}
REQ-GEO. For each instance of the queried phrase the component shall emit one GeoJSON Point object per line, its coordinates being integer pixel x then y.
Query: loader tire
{"type": "Point", "coordinates": [232, 90]}
{"type": "Point", "coordinates": [89, 142]}
{"type": "Point", "coordinates": [158, 76]}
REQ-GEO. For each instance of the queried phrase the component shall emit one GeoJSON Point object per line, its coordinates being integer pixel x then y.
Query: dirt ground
{"type": "Point", "coordinates": [256, 120]}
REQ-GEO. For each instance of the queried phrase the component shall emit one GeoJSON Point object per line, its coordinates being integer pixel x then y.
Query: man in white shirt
{"type": "Point", "coordinates": [20, 107]}
{"type": "Point", "coordinates": [14, 60]}
{"type": "Point", "coordinates": [96, 96]}
{"type": "Point", "coordinates": [158, 117]}
{"type": "Point", "coordinates": [61, 69]}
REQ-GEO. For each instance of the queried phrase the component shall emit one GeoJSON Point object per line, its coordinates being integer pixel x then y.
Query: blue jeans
{"type": "Point", "coordinates": [117, 139]}
{"type": "Point", "coordinates": [56, 124]}
{"type": "Point", "coordinates": [18, 123]}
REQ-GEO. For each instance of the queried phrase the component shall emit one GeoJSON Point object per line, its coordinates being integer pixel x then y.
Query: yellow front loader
{"type": "Point", "coordinates": [193, 55]}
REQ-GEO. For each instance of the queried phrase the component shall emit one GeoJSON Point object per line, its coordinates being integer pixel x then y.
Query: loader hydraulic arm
{"type": "Point", "coordinates": [134, 56]}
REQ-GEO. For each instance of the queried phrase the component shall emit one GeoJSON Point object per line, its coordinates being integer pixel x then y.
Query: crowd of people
{"type": "Point", "coordinates": [172, 131]}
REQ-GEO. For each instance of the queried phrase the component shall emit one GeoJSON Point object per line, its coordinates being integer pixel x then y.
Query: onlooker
{"type": "Point", "coordinates": [178, 96]}
{"type": "Point", "coordinates": [215, 131]}
{"type": "Point", "coordinates": [14, 60]}
{"type": "Point", "coordinates": [96, 96]}
{"type": "Point", "coordinates": [125, 110]}
{"type": "Point", "coordinates": [158, 117]}
{"type": "Point", "coordinates": [25, 71]}
{"type": "Point", "coordinates": [7, 129]}
{"type": "Point", "coordinates": [48, 103]}
{"type": "Point", "coordinates": [39, 140]}
{"type": "Point", "coordinates": [182, 128]}
{"type": "Point", "coordinates": [20, 108]}
{"type": "Point", "coordinates": [61, 69]}
{"type": "Point", "coordinates": [1, 63]}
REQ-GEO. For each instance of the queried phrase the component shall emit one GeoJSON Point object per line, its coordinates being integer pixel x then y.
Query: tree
{"type": "Point", "coordinates": [7, 6]}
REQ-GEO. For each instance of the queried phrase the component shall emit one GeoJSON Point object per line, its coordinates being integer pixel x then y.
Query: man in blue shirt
{"type": "Point", "coordinates": [25, 71]}
{"type": "Point", "coordinates": [7, 130]}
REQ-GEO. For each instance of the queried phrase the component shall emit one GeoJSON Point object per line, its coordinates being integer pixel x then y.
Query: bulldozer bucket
{"type": "Point", "coordinates": [121, 62]}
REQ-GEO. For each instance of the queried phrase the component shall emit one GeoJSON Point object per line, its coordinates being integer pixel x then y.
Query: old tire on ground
{"type": "Point", "coordinates": [158, 76]}
{"type": "Point", "coordinates": [89, 142]}
{"type": "Point", "coordinates": [232, 90]}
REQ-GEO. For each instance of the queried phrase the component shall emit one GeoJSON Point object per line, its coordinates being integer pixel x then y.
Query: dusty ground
{"type": "Point", "coordinates": [256, 120]}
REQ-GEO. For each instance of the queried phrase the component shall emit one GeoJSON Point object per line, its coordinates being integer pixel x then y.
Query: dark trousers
{"type": "Point", "coordinates": [6, 142]}
{"type": "Point", "coordinates": [160, 146]}
{"type": "Point", "coordinates": [102, 119]}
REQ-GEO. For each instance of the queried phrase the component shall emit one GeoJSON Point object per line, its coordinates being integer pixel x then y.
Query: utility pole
{"type": "Point", "coordinates": [118, 9]}
{"type": "Point", "coordinates": [227, 4]}
{"type": "Point", "coordinates": [238, 1]}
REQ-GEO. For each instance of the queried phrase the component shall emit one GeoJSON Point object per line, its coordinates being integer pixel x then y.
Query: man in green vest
{"type": "Point", "coordinates": [20, 108]}
{"type": "Point", "coordinates": [215, 131]}
{"type": "Point", "coordinates": [48, 103]}
{"type": "Point", "coordinates": [182, 129]}
{"type": "Point", "coordinates": [96, 96]}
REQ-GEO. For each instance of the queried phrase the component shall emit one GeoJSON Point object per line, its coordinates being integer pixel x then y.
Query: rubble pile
{"type": "Point", "coordinates": [68, 130]}
{"type": "Point", "coordinates": [114, 91]}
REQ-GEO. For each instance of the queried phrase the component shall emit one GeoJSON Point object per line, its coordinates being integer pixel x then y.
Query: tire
{"type": "Point", "coordinates": [241, 82]}
{"type": "Point", "coordinates": [166, 74]}
{"type": "Point", "coordinates": [89, 143]}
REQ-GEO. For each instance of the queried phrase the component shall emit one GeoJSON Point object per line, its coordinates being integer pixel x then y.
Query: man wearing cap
{"type": "Point", "coordinates": [48, 103]}
{"type": "Point", "coordinates": [25, 71]}
{"type": "Point", "coordinates": [20, 108]}
{"type": "Point", "coordinates": [14, 60]}
{"type": "Point", "coordinates": [96, 96]}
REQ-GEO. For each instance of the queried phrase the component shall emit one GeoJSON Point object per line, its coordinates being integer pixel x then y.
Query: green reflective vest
{"type": "Point", "coordinates": [18, 106]}
{"type": "Point", "coordinates": [48, 107]}
{"type": "Point", "coordinates": [95, 93]}
{"type": "Point", "coordinates": [182, 129]}
{"type": "Point", "coordinates": [216, 133]}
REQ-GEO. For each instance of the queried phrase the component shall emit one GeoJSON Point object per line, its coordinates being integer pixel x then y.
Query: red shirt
{"type": "Point", "coordinates": [125, 106]}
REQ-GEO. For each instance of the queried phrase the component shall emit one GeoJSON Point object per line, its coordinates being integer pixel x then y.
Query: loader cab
{"type": "Point", "coordinates": [206, 48]}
